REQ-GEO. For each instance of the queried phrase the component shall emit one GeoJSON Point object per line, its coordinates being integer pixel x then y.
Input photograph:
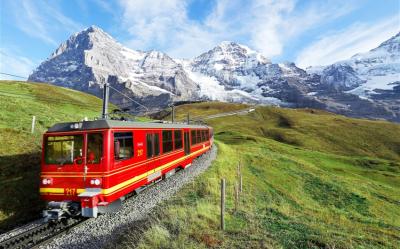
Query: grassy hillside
{"type": "Point", "coordinates": [311, 180]}
{"type": "Point", "coordinates": [20, 149]}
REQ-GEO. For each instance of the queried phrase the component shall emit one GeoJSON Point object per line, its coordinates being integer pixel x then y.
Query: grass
{"type": "Point", "coordinates": [199, 110]}
{"type": "Point", "coordinates": [312, 179]}
{"type": "Point", "coordinates": [20, 149]}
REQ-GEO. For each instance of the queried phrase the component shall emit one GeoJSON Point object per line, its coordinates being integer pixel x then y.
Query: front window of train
{"type": "Point", "coordinates": [62, 150]}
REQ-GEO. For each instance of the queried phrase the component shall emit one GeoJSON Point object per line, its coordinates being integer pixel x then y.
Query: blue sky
{"type": "Point", "coordinates": [306, 32]}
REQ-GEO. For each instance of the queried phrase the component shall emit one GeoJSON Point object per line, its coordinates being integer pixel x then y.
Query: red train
{"type": "Point", "coordinates": [88, 167]}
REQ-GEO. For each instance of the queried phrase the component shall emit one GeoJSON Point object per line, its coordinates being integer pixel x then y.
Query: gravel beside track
{"type": "Point", "coordinates": [99, 232]}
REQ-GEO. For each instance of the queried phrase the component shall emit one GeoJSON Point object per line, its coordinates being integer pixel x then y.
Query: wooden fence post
{"type": "Point", "coordinates": [239, 170]}
{"type": "Point", "coordinates": [236, 197]}
{"type": "Point", "coordinates": [241, 183]}
{"type": "Point", "coordinates": [33, 124]}
{"type": "Point", "coordinates": [222, 204]}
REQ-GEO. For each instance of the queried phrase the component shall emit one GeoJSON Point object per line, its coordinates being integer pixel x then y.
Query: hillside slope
{"type": "Point", "coordinates": [20, 149]}
{"type": "Point", "coordinates": [311, 180]}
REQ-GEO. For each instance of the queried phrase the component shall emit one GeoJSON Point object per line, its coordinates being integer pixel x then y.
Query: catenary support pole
{"type": "Point", "coordinates": [105, 101]}
{"type": "Point", "coordinates": [173, 113]}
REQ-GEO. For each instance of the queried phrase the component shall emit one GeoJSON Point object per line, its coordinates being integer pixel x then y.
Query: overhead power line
{"type": "Point", "coordinates": [126, 96]}
{"type": "Point", "coordinates": [13, 75]}
{"type": "Point", "coordinates": [52, 100]}
{"type": "Point", "coordinates": [24, 77]}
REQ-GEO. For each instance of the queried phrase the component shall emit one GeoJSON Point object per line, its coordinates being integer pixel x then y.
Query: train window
{"type": "Point", "coordinates": [208, 135]}
{"type": "Point", "coordinates": [167, 143]}
{"type": "Point", "coordinates": [149, 142]}
{"type": "Point", "coordinates": [94, 147]}
{"type": "Point", "coordinates": [193, 134]}
{"type": "Point", "coordinates": [123, 145]}
{"type": "Point", "coordinates": [153, 145]}
{"type": "Point", "coordinates": [198, 136]}
{"type": "Point", "coordinates": [178, 139]}
{"type": "Point", "coordinates": [203, 135]}
{"type": "Point", "coordinates": [156, 144]}
{"type": "Point", "coordinates": [63, 149]}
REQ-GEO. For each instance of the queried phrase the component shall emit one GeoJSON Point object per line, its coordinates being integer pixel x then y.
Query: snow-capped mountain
{"type": "Point", "coordinates": [90, 58]}
{"type": "Point", "coordinates": [366, 74]}
{"type": "Point", "coordinates": [365, 85]}
{"type": "Point", "coordinates": [228, 72]}
{"type": "Point", "coordinates": [234, 72]}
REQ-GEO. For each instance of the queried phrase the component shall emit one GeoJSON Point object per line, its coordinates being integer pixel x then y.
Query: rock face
{"type": "Point", "coordinates": [366, 85]}
{"type": "Point", "coordinates": [91, 58]}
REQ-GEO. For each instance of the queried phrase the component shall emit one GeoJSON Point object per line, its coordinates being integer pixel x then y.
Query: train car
{"type": "Point", "coordinates": [88, 167]}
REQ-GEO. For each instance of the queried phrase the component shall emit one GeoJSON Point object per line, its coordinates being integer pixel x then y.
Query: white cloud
{"type": "Point", "coordinates": [42, 20]}
{"type": "Point", "coordinates": [343, 44]}
{"type": "Point", "coordinates": [265, 25]}
{"type": "Point", "coordinates": [105, 5]}
{"type": "Point", "coordinates": [12, 62]}
{"type": "Point", "coordinates": [156, 25]}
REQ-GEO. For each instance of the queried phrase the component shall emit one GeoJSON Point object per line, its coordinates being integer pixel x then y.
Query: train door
{"type": "Point", "coordinates": [153, 153]}
{"type": "Point", "coordinates": [94, 158]}
{"type": "Point", "coordinates": [187, 142]}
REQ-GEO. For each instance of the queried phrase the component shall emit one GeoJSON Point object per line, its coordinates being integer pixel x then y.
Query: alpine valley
{"type": "Point", "coordinates": [366, 85]}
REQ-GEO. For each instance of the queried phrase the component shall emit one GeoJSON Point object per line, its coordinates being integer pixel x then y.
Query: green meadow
{"type": "Point", "coordinates": [311, 179]}
{"type": "Point", "coordinates": [20, 149]}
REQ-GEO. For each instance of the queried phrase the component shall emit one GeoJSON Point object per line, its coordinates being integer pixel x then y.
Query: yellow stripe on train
{"type": "Point", "coordinates": [122, 185]}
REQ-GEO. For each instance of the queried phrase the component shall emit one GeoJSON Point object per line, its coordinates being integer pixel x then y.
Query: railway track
{"type": "Point", "coordinates": [44, 234]}
{"type": "Point", "coordinates": [40, 234]}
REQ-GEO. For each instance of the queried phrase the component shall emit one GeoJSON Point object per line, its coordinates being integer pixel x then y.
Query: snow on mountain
{"type": "Point", "coordinates": [340, 77]}
{"type": "Point", "coordinates": [365, 74]}
{"type": "Point", "coordinates": [366, 85]}
{"type": "Point", "coordinates": [234, 72]}
{"type": "Point", "coordinates": [91, 57]}
{"type": "Point", "coordinates": [380, 67]}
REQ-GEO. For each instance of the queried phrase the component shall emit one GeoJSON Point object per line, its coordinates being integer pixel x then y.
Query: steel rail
{"type": "Point", "coordinates": [37, 235]}
{"type": "Point", "coordinates": [46, 232]}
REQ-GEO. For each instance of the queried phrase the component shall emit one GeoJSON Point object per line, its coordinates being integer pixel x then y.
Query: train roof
{"type": "Point", "coordinates": [107, 124]}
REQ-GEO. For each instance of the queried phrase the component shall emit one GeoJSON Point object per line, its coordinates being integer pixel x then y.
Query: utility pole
{"type": "Point", "coordinates": [105, 101]}
{"type": "Point", "coordinates": [173, 112]}
{"type": "Point", "coordinates": [188, 118]}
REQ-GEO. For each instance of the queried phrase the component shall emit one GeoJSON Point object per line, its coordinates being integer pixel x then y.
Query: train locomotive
{"type": "Point", "coordinates": [89, 167]}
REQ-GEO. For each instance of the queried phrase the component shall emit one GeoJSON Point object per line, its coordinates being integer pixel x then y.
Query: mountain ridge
{"type": "Point", "coordinates": [229, 72]}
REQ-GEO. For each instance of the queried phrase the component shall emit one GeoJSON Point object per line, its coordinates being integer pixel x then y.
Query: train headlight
{"type": "Point", "coordinates": [76, 126]}
{"type": "Point", "coordinates": [46, 181]}
{"type": "Point", "coordinates": [96, 182]}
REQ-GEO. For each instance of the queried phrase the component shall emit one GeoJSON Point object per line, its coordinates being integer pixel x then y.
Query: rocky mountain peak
{"type": "Point", "coordinates": [228, 72]}
{"type": "Point", "coordinates": [228, 55]}
{"type": "Point", "coordinates": [84, 40]}
{"type": "Point", "coordinates": [159, 62]}
{"type": "Point", "coordinates": [392, 45]}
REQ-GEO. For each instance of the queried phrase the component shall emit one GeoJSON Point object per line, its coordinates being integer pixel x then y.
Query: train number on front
{"type": "Point", "coordinates": [70, 191]}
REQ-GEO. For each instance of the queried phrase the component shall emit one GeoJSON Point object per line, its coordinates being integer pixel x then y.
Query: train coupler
{"type": "Point", "coordinates": [57, 210]}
